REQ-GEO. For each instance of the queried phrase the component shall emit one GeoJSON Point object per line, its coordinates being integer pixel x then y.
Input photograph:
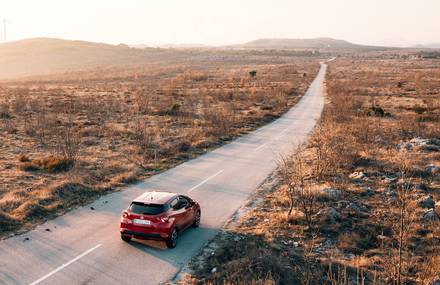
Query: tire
{"type": "Point", "coordinates": [125, 238]}
{"type": "Point", "coordinates": [197, 218]}
{"type": "Point", "coordinates": [172, 241]}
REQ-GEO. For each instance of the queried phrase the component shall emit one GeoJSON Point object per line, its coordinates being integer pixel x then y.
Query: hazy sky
{"type": "Point", "coordinates": [390, 22]}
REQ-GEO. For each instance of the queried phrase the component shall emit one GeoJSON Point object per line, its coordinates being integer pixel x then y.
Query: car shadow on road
{"type": "Point", "coordinates": [189, 243]}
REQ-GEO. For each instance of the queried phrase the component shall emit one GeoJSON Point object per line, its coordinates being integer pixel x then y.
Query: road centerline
{"type": "Point", "coordinates": [260, 147]}
{"type": "Point", "coordinates": [282, 133]}
{"type": "Point", "coordinates": [206, 180]}
{"type": "Point", "coordinates": [65, 265]}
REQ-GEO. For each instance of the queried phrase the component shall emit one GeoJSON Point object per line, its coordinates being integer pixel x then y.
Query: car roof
{"type": "Point", "coordinates": [155, 197]}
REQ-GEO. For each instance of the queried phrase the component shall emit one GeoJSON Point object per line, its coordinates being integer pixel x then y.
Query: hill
{"type": "Point", "coordinates": [428, 46]}
{"type": "Point", "coordinates": [40, 56]}
{"type": "Point", "coordinates": [316, 43]}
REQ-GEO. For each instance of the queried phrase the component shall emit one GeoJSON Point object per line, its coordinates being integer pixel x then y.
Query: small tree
{"type": "Point", "coordinates": [322, 150]}
{"type": "Point", "coordinates": [298, 178]}
{"type": "Point", "coordinates": [402, 217]}
{"type": "Point", "coordinates": [69, 143]}
{"type": "Point", "coordinates": [253, 73]}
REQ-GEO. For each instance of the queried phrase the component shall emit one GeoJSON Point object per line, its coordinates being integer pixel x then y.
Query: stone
{"type": "Point", "coordinates": [357, 175]}
{"type": "Point", "coordinates": [431, 216]}
{"type": "Point", "coordinates": [389, 180]}
{"type": "Point", "coordinates": [330, 214]}
{"type": "Point", "coordinates": [424, 144]}
{"type": "Point", "coordinates": [427, 202]}
{"type": "Point", "coordinates": [432, 169]}
{"type": "Point", "coordinates": [334, 193]}
{"type": "Point", "coordinates": [357, 207]}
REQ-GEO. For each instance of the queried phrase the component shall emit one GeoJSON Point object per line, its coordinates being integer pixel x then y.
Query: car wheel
{"type": "Point", "coordinates": [196, 223]}
{"type": "Point", "coordinates": [126, 238]}
{"type": "Point", "coordinates": [172, 241]}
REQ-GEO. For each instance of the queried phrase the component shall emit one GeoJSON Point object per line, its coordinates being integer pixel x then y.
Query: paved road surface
{"type": "Point", "coordinates": [84, 246]}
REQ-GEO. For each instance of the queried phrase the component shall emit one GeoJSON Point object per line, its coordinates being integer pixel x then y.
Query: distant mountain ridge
{"type": "Point", "coordinates": [43, 56]}
{"type": "Point", "coordinates": [315, 43]}
{"type": "Point", "coordinates": [430, 45]}
{"type": "Point", "coordinates": [39, 56]}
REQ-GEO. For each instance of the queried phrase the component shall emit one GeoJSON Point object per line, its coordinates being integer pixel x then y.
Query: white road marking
{"type": "Point", "coordinates": [260, 147]}
{"type": "Point", "coordinates": [280, 134]}
{"type": "Point", "coordinates": [206, 180]}
{"type": "Point", "coordinates": [65, 265]}
{"type": "Point", "coordinates": [276, 138]}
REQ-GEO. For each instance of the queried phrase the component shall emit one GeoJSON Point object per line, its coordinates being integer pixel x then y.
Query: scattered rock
{"type": "Point", "coordinates": [389, 180]}
{"type": "Point", "coordinates": [92, 208]}
{"type": "Point", "coordinates": [432, 169]}
{"type": "Point", "coordinates": [427, 202]}
{"type": "Point", "coordinates": [424, 144]}
{"type": "Point", "coordinates": [431, 216]}
{"type": "Point", "coordinates": [357, 175]}
{"type": "Point", "coordinates": [47, 230]}
{"type": "Point", "coordinates": [330, 214]}
{"type": "Point", "coordinates": [357, 207]}
{"type": "Point", "coordinates": [266, 220]}
{"type": "Point", "coordinates": [333, 193]}
{"type": "Point", "coordinates": [368, 191]}
{"type": "Point", "coordinates": [381, 237]}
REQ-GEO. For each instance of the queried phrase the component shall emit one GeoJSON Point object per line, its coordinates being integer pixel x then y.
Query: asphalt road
{"type": "Point", "coordinates": [84, 246]}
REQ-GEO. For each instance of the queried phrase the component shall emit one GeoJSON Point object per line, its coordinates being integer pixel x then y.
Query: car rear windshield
{"type": "Point", "coordinates": [147, 209]}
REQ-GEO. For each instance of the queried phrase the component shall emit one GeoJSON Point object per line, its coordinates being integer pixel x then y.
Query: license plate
{"type": "Point", "coordinates": [141, 222]}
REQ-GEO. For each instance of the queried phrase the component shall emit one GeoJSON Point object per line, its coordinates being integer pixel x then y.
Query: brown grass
{"type": "Point", "coordinates": [372, 230]}
{"type": "Point", "coordinates": [100, 129]}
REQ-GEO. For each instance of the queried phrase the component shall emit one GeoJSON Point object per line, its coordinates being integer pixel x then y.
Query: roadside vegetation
{"type": "Point", "coordinates": [360, 203]}
{"type": "Point", "coordinates": [65, 139]}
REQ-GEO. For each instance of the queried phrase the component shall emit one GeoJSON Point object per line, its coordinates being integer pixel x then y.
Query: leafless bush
{"type": "Point", "coordinates": [5, 112]}
{"type": "Point", "coordinates": [19, 104]}
{"type": "Point", "coordinates": [221, 120]}
{"type": "Point", "coordinates": [143, 102]}
{"type": "Point", "coordinates": [68, 141]}
{"type": "Point", "coordinates": [402, 218]}
{"type": "Point", "coordinates": [296, 174]}
{"type": "Point", "coordinates": [320, 142]}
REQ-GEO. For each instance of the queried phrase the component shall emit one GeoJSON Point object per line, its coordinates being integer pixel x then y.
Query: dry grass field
{"type": "Point", "coordinates": [360, 204]}
{"type": "Point", "coordinates": [68, 138]}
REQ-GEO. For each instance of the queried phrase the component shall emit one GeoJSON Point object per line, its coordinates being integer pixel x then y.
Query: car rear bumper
{"type": "Point", "coordinates": [144, 234]}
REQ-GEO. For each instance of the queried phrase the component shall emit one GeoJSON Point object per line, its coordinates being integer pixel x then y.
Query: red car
{"type": "Point", "coordinates": [159, 216]}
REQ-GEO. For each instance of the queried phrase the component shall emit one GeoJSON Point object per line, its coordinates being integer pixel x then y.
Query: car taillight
{"type": "Point", "coordinates": [164, 219]}
{"type": "Point", "coordinates": [125, 219]}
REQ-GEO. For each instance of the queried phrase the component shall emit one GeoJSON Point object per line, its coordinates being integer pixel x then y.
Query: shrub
{"type": "Point", "coordinates": [23, 158]}
{"type": "Point", "coordinates": [51, 164]}
{"type": "Point", "coordinates": [175, 109]}
{"type": "Point", "coordinates": [7, 223]}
